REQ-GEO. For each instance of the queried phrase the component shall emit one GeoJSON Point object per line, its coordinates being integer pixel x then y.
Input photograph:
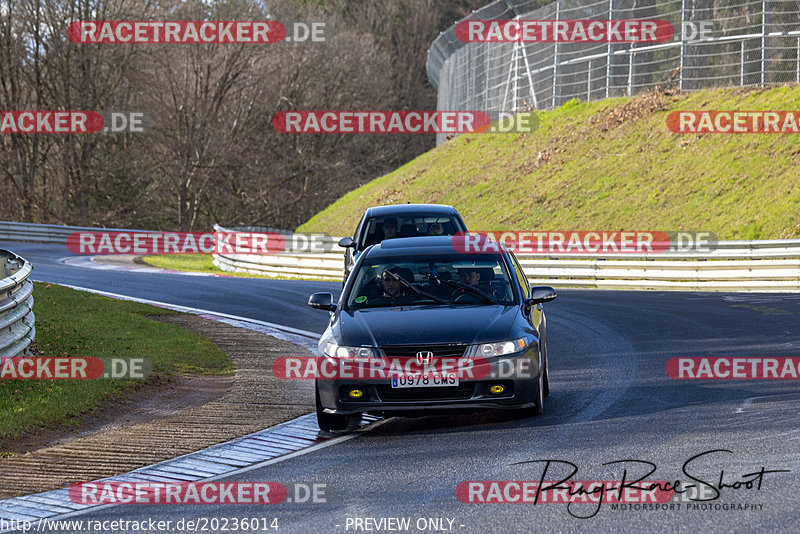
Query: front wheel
{"type": "Point", "coordinates": [546, 381]}
{"type": "Point", "coordinates": [329, 421]}
{"type": "Point", "coordinates": [538, 409]}
{"type": "Point", "coordinates": [540, 393]}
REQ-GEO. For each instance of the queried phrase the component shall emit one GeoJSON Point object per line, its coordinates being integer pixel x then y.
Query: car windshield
{"type": "Point", "coordinates": [446, 280]}
{"type": "Point", "coordinates": [376, 229]}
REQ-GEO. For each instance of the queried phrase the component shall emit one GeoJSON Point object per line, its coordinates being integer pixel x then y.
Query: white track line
{"type": "Point", "coordinates": [301, 337]}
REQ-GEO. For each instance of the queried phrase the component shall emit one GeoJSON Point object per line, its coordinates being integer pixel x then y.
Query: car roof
{"type": "Point", "coordinates": [416, 246]}
{"type": "Point", "coordinates": [399, 209]}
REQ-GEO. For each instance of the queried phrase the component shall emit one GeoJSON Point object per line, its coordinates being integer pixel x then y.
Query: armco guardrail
{"type": "Point", "coordinates": [17, 328]}
{"type": "Point", "coordinates": [46, 233]}
{"type": "Point", "coordinates": [287, 264]}
{"type": "Point", "coordinates": [765, 265]}
{"type": "Point", "coordinates": [721, 275]}
{"type": "Point", "coordinates": [768, 265]}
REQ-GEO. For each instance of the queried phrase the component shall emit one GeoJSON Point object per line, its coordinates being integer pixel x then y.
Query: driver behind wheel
{"type": "Point", "coordinates": [470, 276]}
{"type": "Point", "coordinates": [391, 291]}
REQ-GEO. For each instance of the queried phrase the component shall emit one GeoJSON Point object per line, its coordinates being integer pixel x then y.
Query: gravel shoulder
{"type": "Point", "coordinates": [165, 420]}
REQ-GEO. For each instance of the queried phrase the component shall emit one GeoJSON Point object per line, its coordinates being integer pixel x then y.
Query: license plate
{"type": "Point", "coordinates": [424, 381]}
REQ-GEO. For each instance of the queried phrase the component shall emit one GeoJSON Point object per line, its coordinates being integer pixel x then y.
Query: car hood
{"type": "Point", "coordinates": [427, 325]}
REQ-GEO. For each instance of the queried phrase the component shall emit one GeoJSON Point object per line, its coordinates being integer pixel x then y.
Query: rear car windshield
{"type": "Point", "coordinates": [376, 229]}
{"type": "Point", "coordinates": [452, 280]}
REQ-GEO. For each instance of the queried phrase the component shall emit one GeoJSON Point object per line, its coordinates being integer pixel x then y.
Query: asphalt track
{"type": "Point", "coordinates": [611, 400]}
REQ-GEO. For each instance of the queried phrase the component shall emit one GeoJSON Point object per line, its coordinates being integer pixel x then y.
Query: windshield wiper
{"type": "Point", "coordinates": [407, 284]}
{"type": "Point", "coordinates": [466, 287]}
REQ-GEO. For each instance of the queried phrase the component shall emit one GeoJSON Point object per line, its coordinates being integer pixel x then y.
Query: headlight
{"type": "Point", "coordinates": [502, 348]}
{"type": "Point", "coordinates": [340, 351]}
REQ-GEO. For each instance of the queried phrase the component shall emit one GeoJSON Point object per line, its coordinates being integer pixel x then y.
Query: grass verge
{"type": "Point", "coordinates": [203, 263]}
{"type": "Point", "coordinates": [607, 165]}
{"type": "Point", "coordinates": [196, 263]}
{"type": "Point", "coordinates": [74, 323]}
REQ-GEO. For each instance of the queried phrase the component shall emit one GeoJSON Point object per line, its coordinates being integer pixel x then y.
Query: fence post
{"type": "Point", "coordinates": [741, 75]}
{"type": "Point", "coordinates": [589, 82]}
{"type": "Point", "coordinates": [556, 67]}
{"type": "Point", "coordinates": [684, 45]}
{"type": "Point", "coordinates": [515, 94]}
{"type": "Point", "coordinates": [631, 53]}
{"type": "Point", "coordinates": [609, 51]}
{"type": "Point", "coordinates": [507, 86]}
{"type": "Point", "coordinates": [764, 41]}
{"type": "Point", "coordinates": [798, 60]}
{"type": "Point", "coordinates": [530, 78]}
{"type": "Point", "coordinates": [487, 70]}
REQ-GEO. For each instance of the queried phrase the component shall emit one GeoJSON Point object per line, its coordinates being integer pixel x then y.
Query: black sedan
{"type": "Point", "coordinates": [399, 220]}
{"type": "Point", "coordinates": [422, 327]}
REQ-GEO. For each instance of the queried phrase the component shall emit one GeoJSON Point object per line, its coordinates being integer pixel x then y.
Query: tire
{"type": "Point", "coordinates": [328, 421]}
{"type": "Point", "coordinates": [546, 381]}
{"type": "Point", "coordinates": [539, 408]}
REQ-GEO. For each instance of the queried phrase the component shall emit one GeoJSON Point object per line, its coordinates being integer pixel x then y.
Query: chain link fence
{"type": "Point", "coordinates": [751, 43]}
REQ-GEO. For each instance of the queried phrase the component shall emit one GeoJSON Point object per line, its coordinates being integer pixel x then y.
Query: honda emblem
{"type": "Point", "coordinates": [424, 357]}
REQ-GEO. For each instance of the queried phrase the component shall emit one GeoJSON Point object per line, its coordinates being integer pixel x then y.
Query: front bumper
{"type": "Point", "coordinates": [517, 373]}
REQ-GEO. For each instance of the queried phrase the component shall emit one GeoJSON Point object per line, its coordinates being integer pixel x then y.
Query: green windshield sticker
{"type": "Point", "coordinates": [361, 299]}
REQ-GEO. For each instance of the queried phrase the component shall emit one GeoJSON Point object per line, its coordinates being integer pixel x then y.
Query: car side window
{"type": "Point", "coordinates": [523, 280]}
{"type": "Point", "coordinates": [359, 229]}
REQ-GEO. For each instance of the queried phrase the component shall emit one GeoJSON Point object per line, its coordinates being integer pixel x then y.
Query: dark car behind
{"type": "Point", "coordinates": [412, 220]}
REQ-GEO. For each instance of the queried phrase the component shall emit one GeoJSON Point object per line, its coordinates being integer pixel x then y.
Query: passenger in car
{"type": "Point", "coordinates": [436, 229]}
{"type": "Point", "coordinates": [389, 228]}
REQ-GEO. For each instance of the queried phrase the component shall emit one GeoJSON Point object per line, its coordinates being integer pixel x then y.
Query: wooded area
{"type": "Point", "coordinates": [211, 154]}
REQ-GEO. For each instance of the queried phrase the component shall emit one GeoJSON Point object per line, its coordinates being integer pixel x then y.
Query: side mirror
{"type": "Point", "coordinates": [347, 242]}
{"type": "Point", "coordinates": [322, 301]}
{"type": "Point", "coordinates": [541, 294]}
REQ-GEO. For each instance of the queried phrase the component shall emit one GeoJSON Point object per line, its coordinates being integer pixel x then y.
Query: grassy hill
{"type": "Point", "coordinates": [607, 165]}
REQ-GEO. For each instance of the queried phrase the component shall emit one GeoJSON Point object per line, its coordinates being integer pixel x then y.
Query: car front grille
{"type": "Point", "coordinates": [460, 392]}
{"type": "Point", "coordinates": [450, 350]}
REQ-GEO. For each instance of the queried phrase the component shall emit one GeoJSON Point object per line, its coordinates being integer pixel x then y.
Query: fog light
{"type": "Point", "coordinates": [497, 389]}
{"type": "Point", "coordinates": [355, 393]}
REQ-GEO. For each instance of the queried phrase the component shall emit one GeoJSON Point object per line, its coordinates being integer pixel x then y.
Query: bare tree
{"type": "Point", "coordinates": [21, 76]}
